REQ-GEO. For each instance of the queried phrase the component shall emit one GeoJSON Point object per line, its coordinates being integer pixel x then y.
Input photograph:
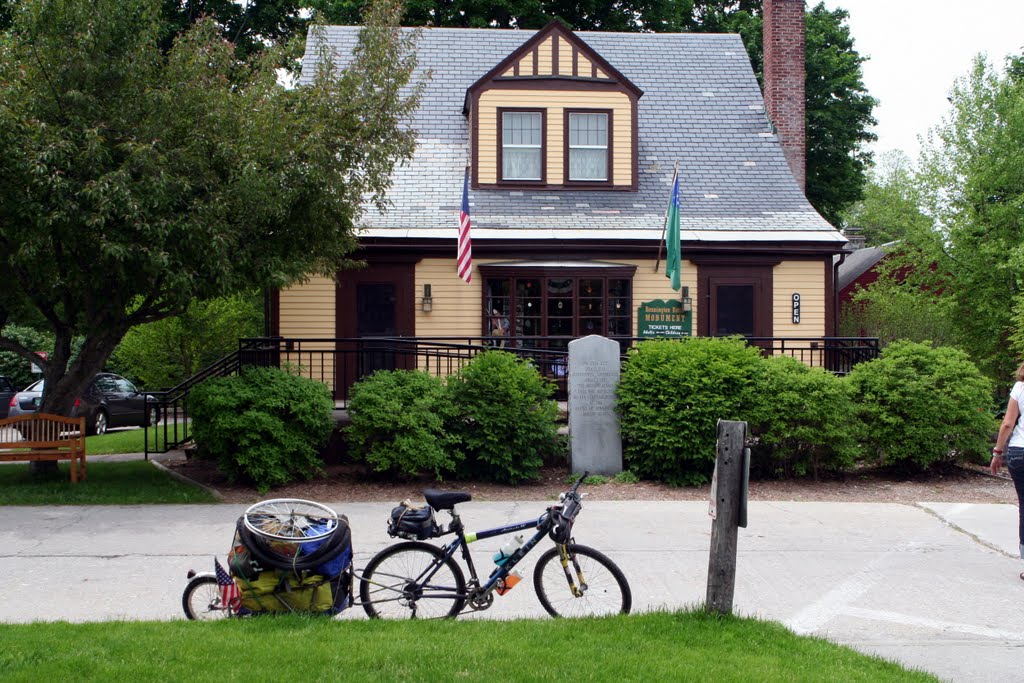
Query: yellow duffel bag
{"type": "Point", "coordinates": [280, 591]}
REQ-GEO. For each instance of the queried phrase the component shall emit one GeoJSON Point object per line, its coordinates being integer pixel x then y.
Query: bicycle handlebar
{"type": "Point", "coordinates": [572, 491]}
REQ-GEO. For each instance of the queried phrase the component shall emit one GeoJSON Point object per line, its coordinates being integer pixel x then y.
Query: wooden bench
{"type": "Point", "coordinates": [44, 437]}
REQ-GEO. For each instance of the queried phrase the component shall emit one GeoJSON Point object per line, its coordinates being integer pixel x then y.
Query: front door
{"type": "Point", "coordinates": [736, 300]}
{"type": "Point", "coordinates": [375, 317]}
{"type": "Point", "coordinates": [376, 301]}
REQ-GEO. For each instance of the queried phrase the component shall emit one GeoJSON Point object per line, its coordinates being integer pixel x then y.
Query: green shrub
{"type": "Point", "coordinates": [399, 423]}
{"type": "Point", "coordinates": [626, 477]}
{"type": "Point", "coordinates": [264, 426]}
{"type": "Point", "coordinates": [921, 405]}
{"type": "Point", "coordinates": [803, 421]}
{"type": "Point", "coordinates": [507, 422]}
{"type": "Point", "coordinates": [670, 398]}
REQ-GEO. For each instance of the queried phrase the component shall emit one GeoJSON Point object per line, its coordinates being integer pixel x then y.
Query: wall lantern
{"type": "Point", "coordinates": [427, 305]}
{"type": "Point", "coordinates": [687, 301]}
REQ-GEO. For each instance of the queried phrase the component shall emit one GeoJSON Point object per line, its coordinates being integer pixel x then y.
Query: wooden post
{"type": "Point", "coordinates": [726, 494]}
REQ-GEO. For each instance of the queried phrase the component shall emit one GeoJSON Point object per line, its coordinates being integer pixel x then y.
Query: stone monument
{"type": "Point", "coordinates": [595, 444]}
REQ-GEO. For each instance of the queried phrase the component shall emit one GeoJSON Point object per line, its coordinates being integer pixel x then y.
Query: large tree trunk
{"type": "Point", "coordinates": [65, 383]}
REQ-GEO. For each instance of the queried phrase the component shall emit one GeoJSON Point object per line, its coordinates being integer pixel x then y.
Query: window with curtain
{"type": "Point", "coordinates": [588, 147]}
{"type": "Point", "coordinates": [521, 136]}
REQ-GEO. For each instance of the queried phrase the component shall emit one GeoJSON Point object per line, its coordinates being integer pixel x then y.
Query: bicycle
{"type": "Point", "coordinates": [414, 579]}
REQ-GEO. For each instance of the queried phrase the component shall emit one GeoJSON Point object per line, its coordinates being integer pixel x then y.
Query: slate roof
{"type": "Point", "coordinates": [701, 107]}
{"type": "Point", "coordinates": [858, 263]}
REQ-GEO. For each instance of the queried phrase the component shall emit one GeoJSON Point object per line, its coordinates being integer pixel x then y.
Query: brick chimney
{"type": "Point", "coordinates": [784, 79]}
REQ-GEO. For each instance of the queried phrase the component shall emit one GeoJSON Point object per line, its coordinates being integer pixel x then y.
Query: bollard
{"type": "Point", "coordinates": [728, 511]}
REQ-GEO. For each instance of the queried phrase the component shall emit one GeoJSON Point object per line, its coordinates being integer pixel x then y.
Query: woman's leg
{"type": "Point", "coordinates": [1015, 464]}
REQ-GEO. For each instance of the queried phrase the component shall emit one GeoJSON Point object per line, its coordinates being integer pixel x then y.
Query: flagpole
{"type": "Point", "coordinates": [664, 225]}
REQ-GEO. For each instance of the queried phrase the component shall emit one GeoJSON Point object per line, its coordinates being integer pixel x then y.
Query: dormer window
{"type": "Point", "coordinates": [522, 145]}
{"type": "Point", "coordinates": [589, 157]}
{"type": "Point", "coordinates": [553, 114]}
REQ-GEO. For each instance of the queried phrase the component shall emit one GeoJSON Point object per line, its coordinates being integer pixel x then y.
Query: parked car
{"type": "Point", "coordinates": [108, 401]}
{"type": "Point", "coordinates": [7, 392]}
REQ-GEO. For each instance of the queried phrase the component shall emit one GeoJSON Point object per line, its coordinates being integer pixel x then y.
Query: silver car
{"type": "Point", "coordinates": [7, 392]}
{"type": "Point", "coordinates": [108, 401]}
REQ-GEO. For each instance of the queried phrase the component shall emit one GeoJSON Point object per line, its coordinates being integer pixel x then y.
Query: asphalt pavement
{"type": "Point", "coordinates": [931, 585]}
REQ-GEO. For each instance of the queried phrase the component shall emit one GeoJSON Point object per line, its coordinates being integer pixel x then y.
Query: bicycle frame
{"type": "Point", "coordinates": [462, 541]}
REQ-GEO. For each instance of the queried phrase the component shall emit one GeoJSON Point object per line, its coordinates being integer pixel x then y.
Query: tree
{"type": "Point", "coordinates": [892, 201]}
{"type": "Point", "coordinates": [166, 352]}
{"type": "Point", "coordinates": [906, 301]}
{"type": "Point", "coordinates": [137, 181]}
{"type": "Point", "coordinates": [839, 114]}
{"type": "Point", "coordinates": [972, 176]}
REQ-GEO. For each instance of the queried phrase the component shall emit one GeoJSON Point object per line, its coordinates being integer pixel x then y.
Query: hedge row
{"type": "Point", "coordinates": [915, 406]}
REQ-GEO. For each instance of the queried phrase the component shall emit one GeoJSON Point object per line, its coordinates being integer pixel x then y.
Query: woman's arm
{"type": "Point", "coordinates": [1005, 430]}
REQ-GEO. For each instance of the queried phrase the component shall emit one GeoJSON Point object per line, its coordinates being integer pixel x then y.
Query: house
{"type": "Point", "coordinates": [571, 140]}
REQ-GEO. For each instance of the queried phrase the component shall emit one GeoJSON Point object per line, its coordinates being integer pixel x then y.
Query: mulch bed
{"type": "Point", "coordinates": [353, 483]}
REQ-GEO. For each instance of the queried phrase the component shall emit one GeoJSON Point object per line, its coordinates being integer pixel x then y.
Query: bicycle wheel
{"type": "Point", "coordinates": [201, 599]}
{"type": "Point", "coordinates": [290, 519]}
{"type": "Point", "coordinates": [604, 587]}
{"type": "Point", "coordinates": [412, 581]}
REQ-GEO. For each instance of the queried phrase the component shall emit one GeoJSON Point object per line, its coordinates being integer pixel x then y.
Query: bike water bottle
{"type": "Point", "coordinates": [509, 583]}
{"type": "Point", "coordinates": [511, 545]}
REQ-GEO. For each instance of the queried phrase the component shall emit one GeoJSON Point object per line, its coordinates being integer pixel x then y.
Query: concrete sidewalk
{"type": "Point", "coordinates": [933, 586]}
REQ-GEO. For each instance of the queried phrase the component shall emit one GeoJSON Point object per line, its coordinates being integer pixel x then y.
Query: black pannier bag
{"type": "Point", "coordinates": [413, 523]}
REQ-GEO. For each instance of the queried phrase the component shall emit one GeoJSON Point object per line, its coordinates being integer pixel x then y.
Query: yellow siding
{"type": "Point", "coordinates": [806, 278]}
{"type": "Point", "coordinates": [307, 310]}
{"type": "Point", "coordinates": [555, 103]}
{"type": "Point", "coordinates": [564, 58]}
{"type": "Point", "coordinates": [601, 74]}
{"type": "Point", "coordinates": [456, 309]}
{"type": "Point", "coordinates": [511, 72]}
{"type": "Point", "coordinates": [544, 51]}
{"type": "Point", "coordinates": [583, 66]}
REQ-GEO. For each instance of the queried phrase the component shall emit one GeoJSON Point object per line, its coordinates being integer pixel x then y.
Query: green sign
{"type": "Point", "coordinates": [662, 318]}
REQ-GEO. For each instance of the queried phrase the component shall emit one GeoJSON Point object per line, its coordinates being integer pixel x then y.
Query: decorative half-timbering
{"type": "Point", "coordinates": [553, 114]}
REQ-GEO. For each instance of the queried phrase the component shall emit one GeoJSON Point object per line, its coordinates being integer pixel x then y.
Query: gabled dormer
{"type": "Point", "coordinates": [554, 114]}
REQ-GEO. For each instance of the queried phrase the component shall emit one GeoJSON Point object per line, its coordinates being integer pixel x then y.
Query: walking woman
{"type": "Point", "coordinates": [1009, 449]}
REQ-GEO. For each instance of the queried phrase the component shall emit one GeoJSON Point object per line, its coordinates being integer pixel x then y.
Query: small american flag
{"type": "Point", "coordinates": [229, 594]}
{"type": "Point", "coordinates": [464, 262]}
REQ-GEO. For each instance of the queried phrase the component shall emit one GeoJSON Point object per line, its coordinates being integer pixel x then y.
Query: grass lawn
{"type": "Point", "coordinates": [689, 646]}
{"type": "Point", "coordinates": [109, 483]}
{"type": "Point", "coordinates": [123, 441]}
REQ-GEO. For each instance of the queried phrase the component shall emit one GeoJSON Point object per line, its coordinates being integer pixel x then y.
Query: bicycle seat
{"type": "Point", "coordinates": [446, 500]}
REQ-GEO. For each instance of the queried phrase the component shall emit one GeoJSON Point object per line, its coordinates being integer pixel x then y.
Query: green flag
{"type": "Point", "coordinates": [674, 260]}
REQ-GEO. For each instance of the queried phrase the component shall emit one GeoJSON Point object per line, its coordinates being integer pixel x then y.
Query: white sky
{"type": "Point", "coordinates": [917, 48]}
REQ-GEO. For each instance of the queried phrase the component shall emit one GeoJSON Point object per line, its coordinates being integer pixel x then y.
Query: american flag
{"type": "Point", "coordinates": [228, 588]}
{"type": "Point", "coordinates": [464, 263]}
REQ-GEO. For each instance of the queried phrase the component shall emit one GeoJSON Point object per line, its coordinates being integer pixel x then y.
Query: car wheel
{"type": "Point", "coordinates": [99, 423]}
{"type": "Point", "coordinates": [153, 417]}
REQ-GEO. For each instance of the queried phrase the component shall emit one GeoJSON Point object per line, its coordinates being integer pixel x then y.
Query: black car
{"type": "Point", "coordinates": [7, 392]}
{"type": "Point", "coordinates": [109, 401]}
